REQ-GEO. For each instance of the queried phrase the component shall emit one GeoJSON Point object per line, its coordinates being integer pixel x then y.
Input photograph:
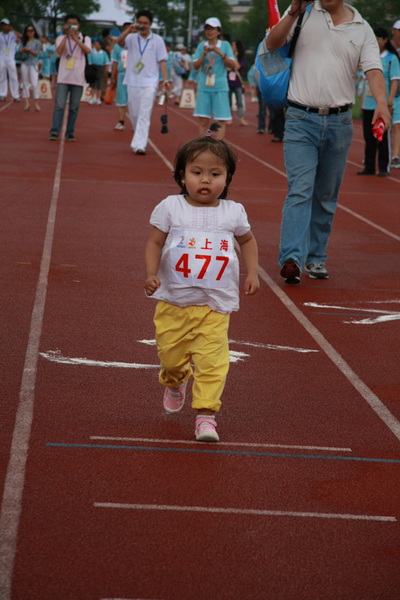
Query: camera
{"type": "Point", "coordinates": [139, 28]}
{"type": "Point", "coordinates": [73, 27]}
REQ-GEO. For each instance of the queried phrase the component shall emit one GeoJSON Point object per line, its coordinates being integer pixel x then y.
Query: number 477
{"type": "Point", "coordinates": [183, 265]}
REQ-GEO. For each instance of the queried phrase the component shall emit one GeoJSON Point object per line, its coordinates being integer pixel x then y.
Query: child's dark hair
{"type": "Point", "coordinates": [188, 152]}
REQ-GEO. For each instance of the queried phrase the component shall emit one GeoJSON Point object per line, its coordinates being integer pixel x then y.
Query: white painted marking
{"type": "Point", "coordinates": [15, 477]}
{"type": "Point", "coordinates": [230, 444]}
{"type": "Point", "coordinates": [56, 356]}
{"type": "Point", "coordinates": [372, 400]}
{"type": "Point", "coordinates": [253, 344]}
{"type": "Point", "coordinates": [385, 315]}
{"type": "Point", "coordinates": [243, 511]}
{"type": "Point", "coordinates": [162, 156]}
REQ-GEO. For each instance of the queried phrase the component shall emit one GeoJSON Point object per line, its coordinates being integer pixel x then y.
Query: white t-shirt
{"type": "Point", "coordinates": [326, 58]}
{"type": "Point", "coordinates": [8, 43]}
{"type": "Point", "coordinates": [199, 265]}
{"type": "Point", "coordinates": [148, 52]}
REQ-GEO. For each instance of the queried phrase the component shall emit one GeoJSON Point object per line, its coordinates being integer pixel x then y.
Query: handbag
{"type": "Point", "coordinates": [21, 56]}
{"type": "Point", "coordinates": [273, 67]}
{"type": "Point", "coordinates": [110, 94]}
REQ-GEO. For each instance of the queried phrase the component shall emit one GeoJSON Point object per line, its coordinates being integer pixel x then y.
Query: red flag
{"type": "Point", "coordinates": [273, 12]}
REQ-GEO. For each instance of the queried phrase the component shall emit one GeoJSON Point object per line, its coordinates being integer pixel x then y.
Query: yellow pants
{"type": "Point", "coordinates": [197, 334]}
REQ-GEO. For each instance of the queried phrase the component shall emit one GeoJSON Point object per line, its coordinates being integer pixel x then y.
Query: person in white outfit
{"type": "Point", "coordinates": [147, 55]}
{"type": "Point", "coordinates": [181, 63]}
{"type": "Point", "coordinates": [9, 38]}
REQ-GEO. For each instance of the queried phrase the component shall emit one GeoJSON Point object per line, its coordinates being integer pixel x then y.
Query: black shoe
{"type": "Point", "coordinates": [53, 136]}
{"type": "Point", "coordinates": [276, 139]}
{"type": "Point", "coordinates": [140, 152]}
{"type": "Point", "coordinates": [70, 137]}
{"type": "Point", "coordinates": [383, 174]}
{"type": "Point", "coordinates": [365, 172]}
{"type": "Point", "coordinates": [261, 131]}
{"type": "Point", "coordinates": [290, 271]}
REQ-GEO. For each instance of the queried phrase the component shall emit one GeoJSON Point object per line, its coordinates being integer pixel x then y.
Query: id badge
{"type": "Point", "coordinates": [210, 80]}
{"type": "Point", "coordinates": [138, 67]}
{"type": "Point", "coordinates": [6, 50]}
{"type": "Point", "coordinates": [70, 64]}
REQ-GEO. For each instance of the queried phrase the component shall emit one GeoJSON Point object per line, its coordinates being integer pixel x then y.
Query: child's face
{"type": "Point", "coordinates": [205, 179]}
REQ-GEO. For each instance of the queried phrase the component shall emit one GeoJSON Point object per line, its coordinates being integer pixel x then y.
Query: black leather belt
{"type": "Point", "coordinates": [320, 111]}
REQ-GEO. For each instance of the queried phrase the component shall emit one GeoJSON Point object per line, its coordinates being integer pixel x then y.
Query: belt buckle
{"type": "Point", "coordinates": [323, 111]}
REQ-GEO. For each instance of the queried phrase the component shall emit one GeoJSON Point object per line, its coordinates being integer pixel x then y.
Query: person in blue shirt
{"type": "Point", "coordinates": [99, 58]}
{"type": "Point", "coordinates": [119, 57]}
{"type": "Point", "coordinates": [212, 59]}
{"type": "Point", "coordinates": [391, 73]}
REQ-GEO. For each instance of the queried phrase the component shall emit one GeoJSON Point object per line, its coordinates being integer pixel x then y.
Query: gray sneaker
{"type": "Point", "coordinates": [317, 271]}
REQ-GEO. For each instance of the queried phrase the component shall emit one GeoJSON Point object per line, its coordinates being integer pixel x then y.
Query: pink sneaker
{"type": "Point", "coordinates": [206, 429]}
{"type": "Point", "coordinates": [174, 398]}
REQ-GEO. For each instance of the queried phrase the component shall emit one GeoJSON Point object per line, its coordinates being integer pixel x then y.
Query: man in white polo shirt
{"type": "Point", "coordinates": [334, 43]}
{"type": "Point", "coordinates": [147, 54]}
{"type": "Point", "coordinates": [9, 38]}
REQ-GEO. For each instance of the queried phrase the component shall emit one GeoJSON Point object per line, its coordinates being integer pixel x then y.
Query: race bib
{"type": "Point", "coordinates": [201, 259]}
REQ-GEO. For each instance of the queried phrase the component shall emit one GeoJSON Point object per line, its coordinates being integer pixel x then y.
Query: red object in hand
{"type": "Point", "coordinates": [378, 129]}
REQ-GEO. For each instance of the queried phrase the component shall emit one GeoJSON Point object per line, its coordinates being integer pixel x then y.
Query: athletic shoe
{"type": "Point", "coordinates": [53, 135]}
{"type": "Point", "coordinates": [290, 271]}
{"type": "Point", "coordinates": [70, 137]}
{"type": "Point", "coordinates": [174, 398]}
{"type": "Point", "coordinates": [2, 98]}
{"type": "Point", "coordinates": [395, 162]}
{"type": "Point", "coordinates": [365, 172]}
{"type": "Point", "coordinates": [140, 152]}
{"type": "Point", "coordinates": [317, 271]}
{"type": "Point", "coordinates": [119, 127]}
{"type": "Point", "coordinates": [206, 429]}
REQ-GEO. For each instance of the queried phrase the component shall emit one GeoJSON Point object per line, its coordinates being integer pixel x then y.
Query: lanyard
{"type": "Point", "coordinates": [71, 50]}
{"type": "Point", "coordinates": [145, 46]}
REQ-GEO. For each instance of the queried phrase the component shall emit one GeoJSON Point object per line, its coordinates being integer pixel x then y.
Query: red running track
{"type": "Point", "coordinates": [107, 497]}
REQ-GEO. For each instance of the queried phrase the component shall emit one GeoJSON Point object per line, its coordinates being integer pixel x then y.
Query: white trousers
{"type": "Point", "coordinates": [178, 83]}
{"type": "Point", "coordinates": [140, 103]}
{"type": "Point", "coordinates": [30, 77]}
{"type": "Point", "coordinates": [7, 67]}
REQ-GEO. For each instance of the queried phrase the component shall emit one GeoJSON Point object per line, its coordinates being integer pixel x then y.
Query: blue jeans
{"type": "Point", "coordinates": [75, 94]}
{"type": "Point", "coordinates": [315, 152]}
{"type": "Point", "coordinates": [238, 93]}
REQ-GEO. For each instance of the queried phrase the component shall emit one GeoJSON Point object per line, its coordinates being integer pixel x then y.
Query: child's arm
{"type": "Point", "coordinates": [152, 257]}
{"type": "Point", "coordinates": [249, 252]}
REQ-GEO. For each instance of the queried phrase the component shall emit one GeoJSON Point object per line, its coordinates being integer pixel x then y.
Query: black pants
{"type": "Point", "coordinates": [372, 146]}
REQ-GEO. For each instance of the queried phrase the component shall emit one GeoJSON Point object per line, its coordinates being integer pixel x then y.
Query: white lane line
{"type": "Point", "coordinates": [253, 344]}
{"type": "Point", "coordinates": [231, 444]}
{"type": "Point", "coordinates": [280, 172]}
{"type": "Point", "coordinates": [372, 400]}
{"type": "Point", "coordinates": [11, 505]}
{"type": "Point", "coordinates": [161, 155]}
{"type": "Point", "coordinates": [243, 511]}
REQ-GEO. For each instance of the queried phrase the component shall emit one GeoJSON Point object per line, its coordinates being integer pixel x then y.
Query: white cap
{"type": "Point", "coordinates": [180, 46]}
{"type": "Point", "coordinates": [213, 22]}
{"type": "Point", "coordinates": [6, 21]}
{"type": "Point", "coordinates": [396, 25]}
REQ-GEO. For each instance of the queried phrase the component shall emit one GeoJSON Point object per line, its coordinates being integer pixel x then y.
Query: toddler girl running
{"type": "Point", "coordinates": [193, 271]}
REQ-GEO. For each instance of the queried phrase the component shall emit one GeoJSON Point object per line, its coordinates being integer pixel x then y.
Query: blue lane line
{"type": "Point", "coordinates": [226, 452]}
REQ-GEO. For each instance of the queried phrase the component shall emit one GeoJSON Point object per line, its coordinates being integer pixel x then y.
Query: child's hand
{"type": "Point", "coordinates": [251, 285]}
{"type": "Point", "coordinates": [152, 284]}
